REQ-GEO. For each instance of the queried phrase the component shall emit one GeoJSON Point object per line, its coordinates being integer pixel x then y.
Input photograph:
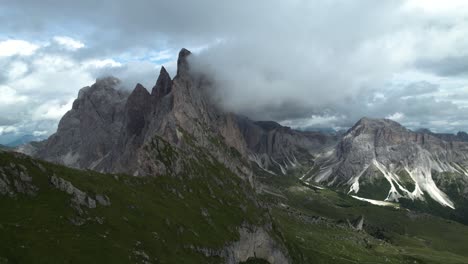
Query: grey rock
{"type": "Point", "coordinates": [274, 147]}
{"type": "Point", "coordinates": [103, 200]}
{"type": "Point", "coordinates": [110, 131]}
{"type": "Point", "coordinates": [79, 197]}
{"type": "Point", "coordinates": [88, 132]}
{"type": "Point", "coordinates": [182, 63]}
{"type": "Point", "coordinates": [357, 224]}
{"type": "Point", "coordinates": [254, 242]}
{"type": "Point", "coordinates": [163, 85]}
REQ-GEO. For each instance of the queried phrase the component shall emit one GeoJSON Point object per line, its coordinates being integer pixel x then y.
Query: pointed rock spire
{"type": "Point", "coordinates": [163, 84]}
{"type": "Point", "coordinates": [182, 63]}
{"type": "Point", "coordinates": [137, 107]}
{"type": "Point", "coordinates": [139, 89]}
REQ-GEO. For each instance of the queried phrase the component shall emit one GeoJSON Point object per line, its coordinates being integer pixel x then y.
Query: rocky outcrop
{"type": "Point", "coordinates": [380, 155]}
{"type": "Point", "coordinates": [79, 198]}
{"type": "Point", "coordinates": [357, 224]}
{"type": "Point", "coordinates": [255, 242]}
{"type": "Point", "coordinates": [15, 179]}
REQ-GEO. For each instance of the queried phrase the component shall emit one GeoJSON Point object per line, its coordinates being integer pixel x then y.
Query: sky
{"type": "Point", "coordinates": [303, 63]}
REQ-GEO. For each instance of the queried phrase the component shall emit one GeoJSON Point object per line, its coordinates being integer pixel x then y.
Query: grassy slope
{"type": "Point", "coordinates": [160, 217]}
{"type": "Point", "coordinates": [314, 225]}
{"type": "Point", "coordinates": [165, 217]}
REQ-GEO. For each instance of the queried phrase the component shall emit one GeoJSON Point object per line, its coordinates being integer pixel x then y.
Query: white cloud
{"type": "Point", "coordinates": [396, 116]}
{"type": "Point", "coordinates": [7, 130]}
{"type": "Point", "coordinates": [437, 6]}
{"type": "Point", "coordinates": [52, 110]}
{"type": "Point", "coordinates": [69, 43]}
{"type": "Point", "coordinates": [13, 47]}
{"type": "Point", "coordinates": [102, 63]}
{"type": "Point", "coordinates": [40, 133]}
{"type": "Point", "coordinates": [17, 69]}
{"type": "Point", "coordinates": [10, 97]}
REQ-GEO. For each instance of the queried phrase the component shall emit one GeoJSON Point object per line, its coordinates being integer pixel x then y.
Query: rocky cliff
{"type": "Point", "coordinates": [277, 149]}
{"type": "Point", "coordinates": [108, 130]}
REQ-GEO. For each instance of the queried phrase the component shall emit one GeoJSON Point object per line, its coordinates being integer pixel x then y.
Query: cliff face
{"type": "Point", "coordinates": [89, 131]}
{"type": "Point", "coordinates": [277, 149]}
{"type": "Point", "coordinates": [108, 130]}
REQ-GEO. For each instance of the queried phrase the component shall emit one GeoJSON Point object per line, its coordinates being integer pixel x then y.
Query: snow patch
{"type": "Point", "coordinates": [375, 202]}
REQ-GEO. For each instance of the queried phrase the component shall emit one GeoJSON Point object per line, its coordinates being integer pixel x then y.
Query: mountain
{"type": "Point", "coordinates": [277, 149]}
{"type": "Point", "coordinates": [380, 159]}
{"type": "Point", "coordinates": [109, 130]}
{"type": "Point", "coordinates": [460, 136]}
{"type": "Point", "coordinates": [24, 140]}
{"type": "Point", "coordinates": [2, 147]}
{"type": "Point", "coordinates": [166, 176]}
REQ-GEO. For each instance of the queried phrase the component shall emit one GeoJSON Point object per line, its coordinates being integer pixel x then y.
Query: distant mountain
{"type": "Point", "coordinates": [24, 140]}
{"type": "Point", "coordinates": [3, 147]}
{"type": "Point", "coordinates": [460, 136]}
{"type": "Point", "coordinates": [277, 149]}
{"type": "Point", "coordinates": [380, 159]}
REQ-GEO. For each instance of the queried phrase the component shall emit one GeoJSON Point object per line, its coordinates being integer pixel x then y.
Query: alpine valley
{"type": "Point", "coordinates": [165, 175]}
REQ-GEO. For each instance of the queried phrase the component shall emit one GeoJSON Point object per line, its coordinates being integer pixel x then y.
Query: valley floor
{"type": "Point", "coordinates": [319, 226]}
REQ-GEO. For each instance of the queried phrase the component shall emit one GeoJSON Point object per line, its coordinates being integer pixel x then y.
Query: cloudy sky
{"type": "Point", "coordinates": [305, 63]}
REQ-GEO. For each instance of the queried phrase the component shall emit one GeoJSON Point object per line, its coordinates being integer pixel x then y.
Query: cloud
{"type": "Point", "coordinates": [12, 47]}
{"type": "Point", "coordinates": [397, 116]}
{"type": "Point", "coordinates": [303, 63]}
{"type": "Point", "coordinates": [38, 89]}
{"type": "Point", "coordinates": [69, 43]}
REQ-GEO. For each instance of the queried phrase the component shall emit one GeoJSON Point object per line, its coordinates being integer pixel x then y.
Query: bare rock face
{"type": "Point", "coordinates": [15, 179]}
{"type": "Point", "coordinates": [255, 242]}
{"type": "Point", "coordinates": [401, 162]}
{"type": "Point", "coordinates": [274, 147]}
{"type": "Point", "coordinates": [109, 130]}
{"type": "Point", "coordinates": [88, 132]}
{"type": "Point", "coordinates": [163, 84]}
{"type": "Point", "coordinates": [79, 197]}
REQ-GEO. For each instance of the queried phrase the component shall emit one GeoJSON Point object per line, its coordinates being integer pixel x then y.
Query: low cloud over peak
{"type": "Point", "coordinates": [321, 63]}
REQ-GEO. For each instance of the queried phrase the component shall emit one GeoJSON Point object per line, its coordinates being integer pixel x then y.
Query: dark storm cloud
{"type": "Point", "coordinates": [328, 60]}
{"type": "Point", "coordinates": [448, 66]}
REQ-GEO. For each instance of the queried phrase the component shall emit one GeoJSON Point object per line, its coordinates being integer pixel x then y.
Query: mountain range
{"type": "Point", "coordinates": [279, 187]}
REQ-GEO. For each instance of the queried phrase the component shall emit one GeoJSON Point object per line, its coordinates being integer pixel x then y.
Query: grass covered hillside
{"type": "Point", "coordinates": [322, 226]}
{"type": "Point", "coordinates": [54, 214]}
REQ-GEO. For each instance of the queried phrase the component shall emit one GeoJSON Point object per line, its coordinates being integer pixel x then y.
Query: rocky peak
{"type": "Point", "coordinates": [104, 90]}
{"type": "Point", "coordinates": [139, 91]}
{"type": "Point", "coordinates": [375, 126]}
{"type": "Point", "coordinates": [462, 136]}
{"type": "Point", "coordinates": [269, 125]}
{"type": "Point", "coordinates": [137, 107]}
{"type": "Point", "coordinates": [163, 84]}
{"type": "Point", "coordinates": [182, 63]}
